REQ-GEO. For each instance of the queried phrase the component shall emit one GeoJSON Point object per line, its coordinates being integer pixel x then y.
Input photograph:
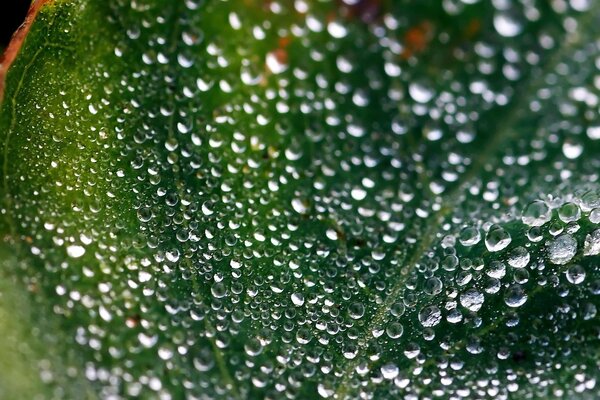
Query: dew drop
{"type": "Point", "coordinates": [299, 206]}
{"type": "Point", "coordinates": [562, 249]}
{"type": "Point", "coordinates": [576, 274]}
{"type": "Point", "coordinates": [394, 330]}
{"type": "Point", "coordinates": [497, 239]}
{"type": "Point", "coordinates": [430, 316]}
{"type": "Point", "coordinates": [569, 212]}
{"type": "Point", "coordinates": [537, 213]}
{"type": "Point", "coordinates": [75, 251]}
{"type": "Point", "coordinates": [389, 371]}
{"type": "Point", "coordinates": [515, 296]}
{"type": "Point", "coordinates": [518, 257]}
{"type": "Point", "coordinates": [591, 246]}
{"type": "Point", "coordinates": [472, 299]}
{"type": "Point", "coordinates": [506, 25]}
{"type": "Point", "coordinates": [420, 93]}
{"type": "Point", "coordinates": [297, 299]}
{"type": "Point", "coordinates": [572, 150]}
{"type": "Point", "coordinates": [469, 236]}
{"type": "Point", "coordinates": [356, 310]}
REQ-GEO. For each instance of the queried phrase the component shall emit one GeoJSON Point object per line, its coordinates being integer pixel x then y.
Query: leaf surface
{"type": "Point", "coordinates": [248, 199]}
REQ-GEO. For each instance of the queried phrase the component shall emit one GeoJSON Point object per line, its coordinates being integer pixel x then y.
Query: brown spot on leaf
{"type": "Point", "coordinates": [417, 38]}
{"type": "Point", "coordinates": [473, 28]}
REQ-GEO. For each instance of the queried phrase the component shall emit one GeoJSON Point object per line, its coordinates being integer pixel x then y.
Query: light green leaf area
{"type": "Point", "coordinates": [246, 199]}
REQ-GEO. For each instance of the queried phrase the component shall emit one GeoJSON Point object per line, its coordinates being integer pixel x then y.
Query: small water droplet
{"type": "Point", "coordinates": [389, 371]}
{"type": "Point", "coordinates": [297, 299]}
{"type": "Point", "coordinates": [576, 274]}
{"type": "Point", "coordinates": [506, 25]}
{"type": "Point", "coordinates": [420, 93]}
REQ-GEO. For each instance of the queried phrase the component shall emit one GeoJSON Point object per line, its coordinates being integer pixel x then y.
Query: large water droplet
{"type": "Point", "coordinates": [537, 213]}
{"type": "Point", "coordinates": [430, 316]}
{"type": "Point", "coordinates": [497, 239]}
{"type": "Point", "coordinates": [515, 296]}
{"type": "Point", "coordinates": [472, 299]}
{"type": "Point", "coordinates": [562, 249]}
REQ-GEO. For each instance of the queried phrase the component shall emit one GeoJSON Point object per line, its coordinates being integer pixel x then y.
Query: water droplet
{"type": "Point", "coordinates": [472, 299]}
{"type": "Point", "coordinates": [506, 25]}
{"type": "Point", "coordinates": [430, 316]}
{"type": "Point", "coordinates": [515, 296]}
{"type": "Point", "coordinates": [297, 299]}
{"type": "Point", "coordinates": [572, 150]}
{"type": "Point", "coordinates": [394, 330]}
{"type": "Point", "coordinates": [276, 61]}
{"type": "Point", "coordinates": [433, 286]}
{"type": "Point", "coordinates": [537, 213]}
{"type": "Point", "coordinates": [75, 251]}
{"type": "Point", "coordinates": [324, 391]}
{"type": "Point", "coordinates": [497, 239]}
{"type": "Point", "coordinates": [358, 193]}
{"type": "Point", "coordinates": [591, 246]}
{"type": "Point", "coordinates": [496, 270]}
{"type": "Point", "coordinates": [562, 249]}
{"type": "Point", "coordinates": [469, 236]}
{"type": "Point", "coordinates": [420, 93]}
{"type": "Point", "coordinates": [518, 257]}
{"type": "Point", "coordinates": [356, 310]}
{"type": "Point", "coordinates": [575, 274]}
{"type": "Point", "coordinates": [253, 347]}
{"type": "Point", "coordinates": [389, 371]}
{"type": "Point", "coordinates": [300, 206]}
{"type": "Point", "coordinates": [569, 212]}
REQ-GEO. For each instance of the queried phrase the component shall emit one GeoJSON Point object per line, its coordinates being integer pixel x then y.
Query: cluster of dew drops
{"type": "Point", "coordinates": [283, 167]}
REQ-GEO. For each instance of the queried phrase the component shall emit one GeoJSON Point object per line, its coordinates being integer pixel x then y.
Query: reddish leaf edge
{"type": "Point", "coordinates": [12, 50]}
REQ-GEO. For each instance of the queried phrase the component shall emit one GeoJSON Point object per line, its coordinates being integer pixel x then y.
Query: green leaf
{"type": "Point", "coordinates": [346, 199]}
